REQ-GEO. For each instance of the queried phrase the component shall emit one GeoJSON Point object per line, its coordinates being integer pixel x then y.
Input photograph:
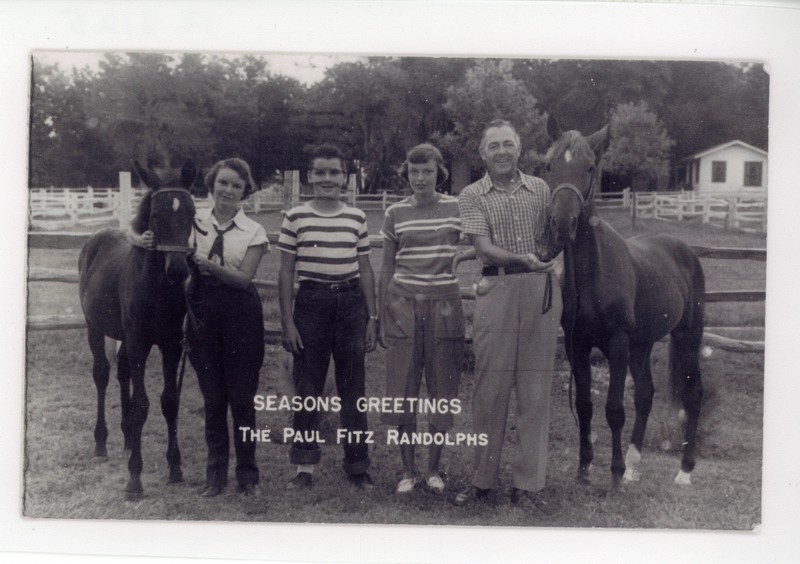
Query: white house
{"type": "Point", "coordinates": [729, 167]}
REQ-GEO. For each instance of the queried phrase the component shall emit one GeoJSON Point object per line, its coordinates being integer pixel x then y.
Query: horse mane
{"type": "Point", "coordinates": [571, 141]}
{"type": "Point", "coordinates": [141, 222]}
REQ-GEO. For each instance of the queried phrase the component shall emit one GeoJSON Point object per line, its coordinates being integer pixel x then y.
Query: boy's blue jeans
{"type": "Point", "coordinates": [331, 321]}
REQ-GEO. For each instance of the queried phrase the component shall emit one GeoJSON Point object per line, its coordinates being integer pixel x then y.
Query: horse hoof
{"type": "Point", "coordinates": [631, 475]}
{"type": "Point", "coordinates": [134, 490]}
{"type": "Point", "coordinates": [175, 477]}
{"type": "Point", "coordinates": [617, 484]}
{"type": "Point", "coordinates": [683, 478]}
{"type": "Point", "coordinates": [583, 476]}
{"type": "Point", "coordinates": [100, 452]}
{"type": "Point", "coordinates": [134, 496]}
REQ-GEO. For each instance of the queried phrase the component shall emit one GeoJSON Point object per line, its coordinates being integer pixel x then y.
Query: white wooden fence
{"type": "Point", "coordinates": [57, 209]}
{"type": "Point", "coordinates": [743, 210]}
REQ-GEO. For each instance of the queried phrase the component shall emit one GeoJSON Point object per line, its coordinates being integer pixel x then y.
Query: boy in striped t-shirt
{"type": "Point", "coordinates": [421, 320]}
{"type": "Point", "coordinates": [325, 244]}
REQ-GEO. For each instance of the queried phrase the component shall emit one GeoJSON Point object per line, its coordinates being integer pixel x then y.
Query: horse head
{"type": "Point", "coordinates": [168, 211]}
{"type": "Point", "coordinates": [572, 170]}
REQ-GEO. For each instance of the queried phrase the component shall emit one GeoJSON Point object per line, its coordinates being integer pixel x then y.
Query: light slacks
{"type": "Point", "coordinates": [514, 344]}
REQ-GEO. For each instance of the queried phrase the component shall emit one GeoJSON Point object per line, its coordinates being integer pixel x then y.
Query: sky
{"type": "Point", "coordinates": [306, 68]}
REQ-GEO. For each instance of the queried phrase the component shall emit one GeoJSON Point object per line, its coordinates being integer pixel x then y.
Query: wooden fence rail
{"type": "Point", "coordinates": [273, 330]}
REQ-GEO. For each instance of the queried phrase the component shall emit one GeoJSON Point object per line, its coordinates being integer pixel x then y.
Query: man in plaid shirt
{"type": "Point", "coordinates": [517, 314]}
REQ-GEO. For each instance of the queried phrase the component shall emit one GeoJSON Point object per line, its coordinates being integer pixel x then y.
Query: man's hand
{"type": "Point", "coordinates": [532, 262]}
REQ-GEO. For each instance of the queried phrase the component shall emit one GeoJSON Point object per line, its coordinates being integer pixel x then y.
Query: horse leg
{"type": "Point", "coordinates": [643, 399]}
{"type": "Point", "coordinates": [124, 377]}
{"type": "Point", "coordinates": [100, 371]}
{"type": "Point", "coordinates": [617, 353]}
{"type": "Point", "coordinates": [685, 372]}
{"type": "Point", "coordinates": [139, 406]}
{"type": "Point", "coordinates": [583, 405]}
{"type": "Point", "coordinates": [170, 356]}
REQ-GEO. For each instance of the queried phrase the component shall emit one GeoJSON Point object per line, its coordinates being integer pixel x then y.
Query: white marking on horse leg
{"type": "Point", "coordinates": [683, 478]}
{"type": "Point", "coordinates": [632, 459]}
{"type": "Point", "coordinates": [112, 348]}
{"type": "Point", "coordinates": [176, 203]}
{"type": "Point", "coordinates": [568, 155]}
{"type": "Point", "coordinates": [681, 416]}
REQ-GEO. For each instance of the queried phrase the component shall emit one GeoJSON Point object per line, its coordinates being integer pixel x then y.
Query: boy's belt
{"type": "Point", "coordinates": [344, 286]}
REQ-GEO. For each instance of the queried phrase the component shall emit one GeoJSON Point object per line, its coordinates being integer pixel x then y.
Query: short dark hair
{"type": "Point", "coordinates": [422, 154]}
{"type": "Point", "coordinates": [237, 165]}
{"type": "Point", "coordinates": [327, 151]}
{"type": "Point", "coordinates": [498, 123]}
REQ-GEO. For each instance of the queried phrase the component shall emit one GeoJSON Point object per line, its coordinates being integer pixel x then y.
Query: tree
{"type": "Point", "coordinates": [488, 91]}
{"type": "Point", "coordinates": [639, 146]}
{"type": "Point", "coordinates": [66, 149]}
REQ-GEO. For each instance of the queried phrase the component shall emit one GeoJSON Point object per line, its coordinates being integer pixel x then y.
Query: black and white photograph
{"type": "Point", "coordinates": [466, 293]}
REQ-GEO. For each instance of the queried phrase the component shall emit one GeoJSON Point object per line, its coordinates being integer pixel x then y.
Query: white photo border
{"type": "Point", "coordinates": [756, 31]}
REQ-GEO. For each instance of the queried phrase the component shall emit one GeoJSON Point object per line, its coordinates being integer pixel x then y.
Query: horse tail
{"type": "Point", "coordinates": [687, 338]}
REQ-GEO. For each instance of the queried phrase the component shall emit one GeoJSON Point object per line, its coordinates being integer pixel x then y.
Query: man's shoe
{"type": "Point", "coordinates": [361, 481]}
{"type": "Point", "coordinates": [248, 490]}
{"type": "Point", "coordinates": [470, 494]}
{"type": "Point", "coordinates": [301, 481]}
{"type": "Point", "coordinates": [526, 500]}
{"type": "Point", "coordinates": [212, 491]}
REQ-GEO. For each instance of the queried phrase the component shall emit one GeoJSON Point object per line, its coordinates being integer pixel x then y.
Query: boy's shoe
{"type": "Point", "coordinates": [250, 490]}
{"type": "Point", "coordinates": [212, 491]}
{"type": "Point", "coordinates": [361, 481]}
{"type": "Point", "coordinates": [301, 481]}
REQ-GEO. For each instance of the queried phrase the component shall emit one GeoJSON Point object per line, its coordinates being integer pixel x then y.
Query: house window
{"type": "Point", "coordinates": [752, 173]}
{"type": "Point", "coordinates": [718, 170]}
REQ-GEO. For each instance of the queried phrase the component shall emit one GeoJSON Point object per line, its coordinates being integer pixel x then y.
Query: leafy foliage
{"type": "Point", "coordinates": [161, 108]}
{"type": "Point", "coordinates": [639, 147]}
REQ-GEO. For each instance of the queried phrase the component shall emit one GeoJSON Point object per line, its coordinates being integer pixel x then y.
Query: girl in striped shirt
{"type": "Point", "coordinates": [420, 319]}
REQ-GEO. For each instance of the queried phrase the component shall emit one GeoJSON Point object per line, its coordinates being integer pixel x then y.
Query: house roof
{"type": "Point", "coordinates": [722, 146]}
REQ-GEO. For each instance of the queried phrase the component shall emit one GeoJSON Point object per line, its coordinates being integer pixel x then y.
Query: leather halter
{"type": "Point", "coordinates": [171, 248]}
{"type": "Point", "coordinates": [569, 186]}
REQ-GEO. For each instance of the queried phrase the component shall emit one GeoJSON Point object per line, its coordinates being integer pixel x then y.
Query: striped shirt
{"type": "Point", "coordinates": [515, 220]}
{"type": "Point", "coordinates": [426, 239]}
{"type": "Point", "coordinates": [327, 245]}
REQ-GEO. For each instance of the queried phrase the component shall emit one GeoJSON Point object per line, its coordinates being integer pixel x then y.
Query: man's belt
{"type": "Point", "coordinates": [547, 299]}
{"type": "Point", "coordinates": [501, 270]}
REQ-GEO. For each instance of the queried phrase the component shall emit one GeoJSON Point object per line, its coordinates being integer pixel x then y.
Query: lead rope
{"type": "Point", "coordinates": [190, 316]}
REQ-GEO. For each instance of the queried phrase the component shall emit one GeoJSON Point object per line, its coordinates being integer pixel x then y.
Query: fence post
{"type": "Point", "coordinates": [295, 174]}
{"type": "Point", "coordinates": [383, 201]}
{"type": "Point", "coordinates": [351, 185]}
{"type": "Point", "coordinates": [125, 197]}
{"type": "Point", "coordinates": [626, 198]}
{"type": "Point", "coordinates": [287, 190]}
{"type": "Point", "coordinates": [730, 217]}
{"type": "Point", "coordinates": [633, 209]}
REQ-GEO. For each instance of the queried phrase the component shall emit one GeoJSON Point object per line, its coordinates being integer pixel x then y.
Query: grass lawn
{"type": "Point", "coordinates": [62, 480]}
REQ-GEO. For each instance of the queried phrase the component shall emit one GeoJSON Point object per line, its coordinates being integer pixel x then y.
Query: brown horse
{"type": "Point", "coordinates": [621, 296]}
{"type": "Point", "coordinates": [136, 296]}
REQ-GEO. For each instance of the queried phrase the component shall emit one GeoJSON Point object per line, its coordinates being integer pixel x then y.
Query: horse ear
{"type": "Point", "coordinates": [188, 174]}
{"type": "Point", "coordinates": [553, 129]}
{"type": "Point", "coordinates": [150, 178]}
{"type": "Point", "coordinates": [599, 141]}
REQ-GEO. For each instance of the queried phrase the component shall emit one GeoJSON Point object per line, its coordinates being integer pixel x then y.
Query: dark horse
{"type": "Point", "coordinates": [136, 296]}
{"type": "Point", "coordinates": [621, 296]}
